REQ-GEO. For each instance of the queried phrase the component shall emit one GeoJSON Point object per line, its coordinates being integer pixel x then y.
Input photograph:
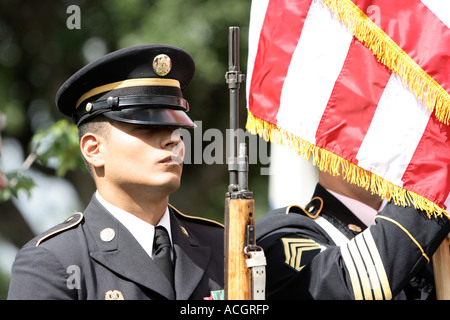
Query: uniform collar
{"type": "Point", "coordinates": [362, 211]}
{"type": "Point", "coordinates": [333, 210]}
{"type": "Point", "coordinates": [191, 259]}
{"type": "Point", "coordinates": [141, 230]}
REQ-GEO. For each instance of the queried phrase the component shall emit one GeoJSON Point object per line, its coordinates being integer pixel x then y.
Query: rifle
{"type": "Point", "coordinates": [244, 260]}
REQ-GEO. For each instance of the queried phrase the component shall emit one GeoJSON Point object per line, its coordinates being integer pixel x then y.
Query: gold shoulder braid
{"type": "Point", "coordinates": [71, 222]}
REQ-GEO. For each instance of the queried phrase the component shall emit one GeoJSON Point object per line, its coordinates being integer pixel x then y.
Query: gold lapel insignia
{"type": "Point", "coordinates": [113, 295]}
{"type": "Point", "coordinates": [354, 227]}
{"type": "Point", "coordinates": [185, 232]}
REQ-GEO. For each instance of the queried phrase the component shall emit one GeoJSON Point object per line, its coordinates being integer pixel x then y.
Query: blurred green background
{"type": "Point", "coordinates": [38, 52]}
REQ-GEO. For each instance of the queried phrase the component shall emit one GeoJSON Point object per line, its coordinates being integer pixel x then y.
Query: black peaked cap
{"type": "Point", "coordinates": [139, 85]}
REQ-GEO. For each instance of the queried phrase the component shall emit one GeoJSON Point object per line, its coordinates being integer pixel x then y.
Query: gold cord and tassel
{"type": "Point", "coordinates": [329, 162]}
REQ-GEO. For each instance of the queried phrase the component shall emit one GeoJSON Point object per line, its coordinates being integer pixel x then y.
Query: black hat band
{"type": "Point", "coordinates": [126, 84]}
{"type": "Point", "coordinates": [114, 103]}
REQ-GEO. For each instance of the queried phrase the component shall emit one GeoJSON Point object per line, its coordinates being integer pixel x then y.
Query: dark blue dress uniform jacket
{"type": "Point", "coordinates": [71, 261]}
{"type": "Point", "coordinates": [379, 262]}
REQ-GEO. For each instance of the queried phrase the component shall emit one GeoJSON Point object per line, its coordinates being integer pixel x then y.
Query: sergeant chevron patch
{"type": "Point", "coordinates": [295, 247]}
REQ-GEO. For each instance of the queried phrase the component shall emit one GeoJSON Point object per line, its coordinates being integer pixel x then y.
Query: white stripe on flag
{"type": "Point", "coordinates": [257, 14]}
{"type": "Point", "coordinates": [440, 8]}
{"type": "Point", "coordinates": [396, 129]}
{"type": "Point", "coordinates": [315, 66]}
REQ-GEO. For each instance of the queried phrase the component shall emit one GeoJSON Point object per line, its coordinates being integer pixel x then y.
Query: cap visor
{"type": "Point", "coordinates": [152, 117]}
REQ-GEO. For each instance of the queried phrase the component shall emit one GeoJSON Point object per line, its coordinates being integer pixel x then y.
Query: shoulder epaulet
{"type": "Point", "coordinates": [199, 219]}
{"type": "Point", "coordinates": [312, 209]}
{"type": "Point", "coordinates": [70, 222]}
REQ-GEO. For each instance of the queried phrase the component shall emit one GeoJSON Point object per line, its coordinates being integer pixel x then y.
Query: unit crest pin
{"type": "Point", "coordinates": [162, 64]}
{"type": "Point", "coordinates": [114, 295]}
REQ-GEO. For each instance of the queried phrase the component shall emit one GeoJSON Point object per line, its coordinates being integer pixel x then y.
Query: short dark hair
{"type": "Point", "coordinates": [100, 125]}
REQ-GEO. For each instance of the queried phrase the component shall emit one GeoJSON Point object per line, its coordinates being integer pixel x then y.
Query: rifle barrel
{"type": "Point", "coordinates": [233, 78]}
{"type": "Point", "coordinates": [233, 49]}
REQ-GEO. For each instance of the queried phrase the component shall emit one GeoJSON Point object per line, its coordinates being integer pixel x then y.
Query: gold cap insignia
{"type": "Point", "coordinates": [162, 64]}
{"type": "Point", "coordinates": [113, 295]}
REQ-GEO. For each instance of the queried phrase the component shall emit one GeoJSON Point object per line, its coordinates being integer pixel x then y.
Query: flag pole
{"type": "Point", "coordinates": [441, 267]}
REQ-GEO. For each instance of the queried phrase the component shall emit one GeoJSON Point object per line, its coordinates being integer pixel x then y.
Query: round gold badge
{"type": "Point", "coordinates": [162, 64]}
{"type": "Point", "coordinates": [107, 234]}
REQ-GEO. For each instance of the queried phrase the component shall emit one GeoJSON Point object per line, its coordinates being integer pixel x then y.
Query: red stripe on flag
{"type": "Point", "coordinates": [418, 31]}
{"type": "Point", "coordinates": [280, 32]}
{"type": "Point", "coordinates": [353, 102]}
{"type": "Point", "coordinates": [429, 168]}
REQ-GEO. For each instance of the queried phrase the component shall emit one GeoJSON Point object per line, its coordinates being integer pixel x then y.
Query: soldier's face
{"type": "Point", "coordinates": [142, 158]}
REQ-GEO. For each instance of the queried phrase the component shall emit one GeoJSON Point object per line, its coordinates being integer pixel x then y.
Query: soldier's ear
{"type": "Point", "coordinates": [90, 145]}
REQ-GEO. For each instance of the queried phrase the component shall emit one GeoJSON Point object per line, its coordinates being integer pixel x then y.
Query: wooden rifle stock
{"type": "Point", "coordinates": [237, 278]}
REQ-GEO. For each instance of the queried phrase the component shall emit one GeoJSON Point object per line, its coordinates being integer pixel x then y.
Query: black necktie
{"type": "Point", "coordinates": [161, 252]}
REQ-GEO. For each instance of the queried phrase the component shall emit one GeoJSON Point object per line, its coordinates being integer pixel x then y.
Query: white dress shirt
{"type": "Point", "coordinates": [143, 232]}
{"type": "Point", "coordinates": [362, 211]}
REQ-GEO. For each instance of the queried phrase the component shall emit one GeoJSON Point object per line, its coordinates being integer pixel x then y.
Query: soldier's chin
{"type": "Point", "coordinates": [172, 185]}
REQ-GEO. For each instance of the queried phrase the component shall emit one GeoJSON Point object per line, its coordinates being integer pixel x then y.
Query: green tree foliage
{"type": "Point", "coordinates": [58, 143]}
{"type": "Point", "coordinates": [54, 146]}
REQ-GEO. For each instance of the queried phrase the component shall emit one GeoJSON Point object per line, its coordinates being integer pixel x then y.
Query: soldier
{"type": "Point", "coordinates": [349, 244]}
{"type": "Point", "coordinates": [127, 106]}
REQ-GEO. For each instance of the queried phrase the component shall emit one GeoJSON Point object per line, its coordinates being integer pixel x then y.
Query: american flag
{"type": "Point", "coordinates": [362, 86]}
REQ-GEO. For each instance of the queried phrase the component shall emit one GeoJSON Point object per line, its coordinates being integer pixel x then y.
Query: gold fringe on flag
{"type": "Point", "coordinates": [329, 162]}
{"type": "Point", "coordinates": [392, 56]}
